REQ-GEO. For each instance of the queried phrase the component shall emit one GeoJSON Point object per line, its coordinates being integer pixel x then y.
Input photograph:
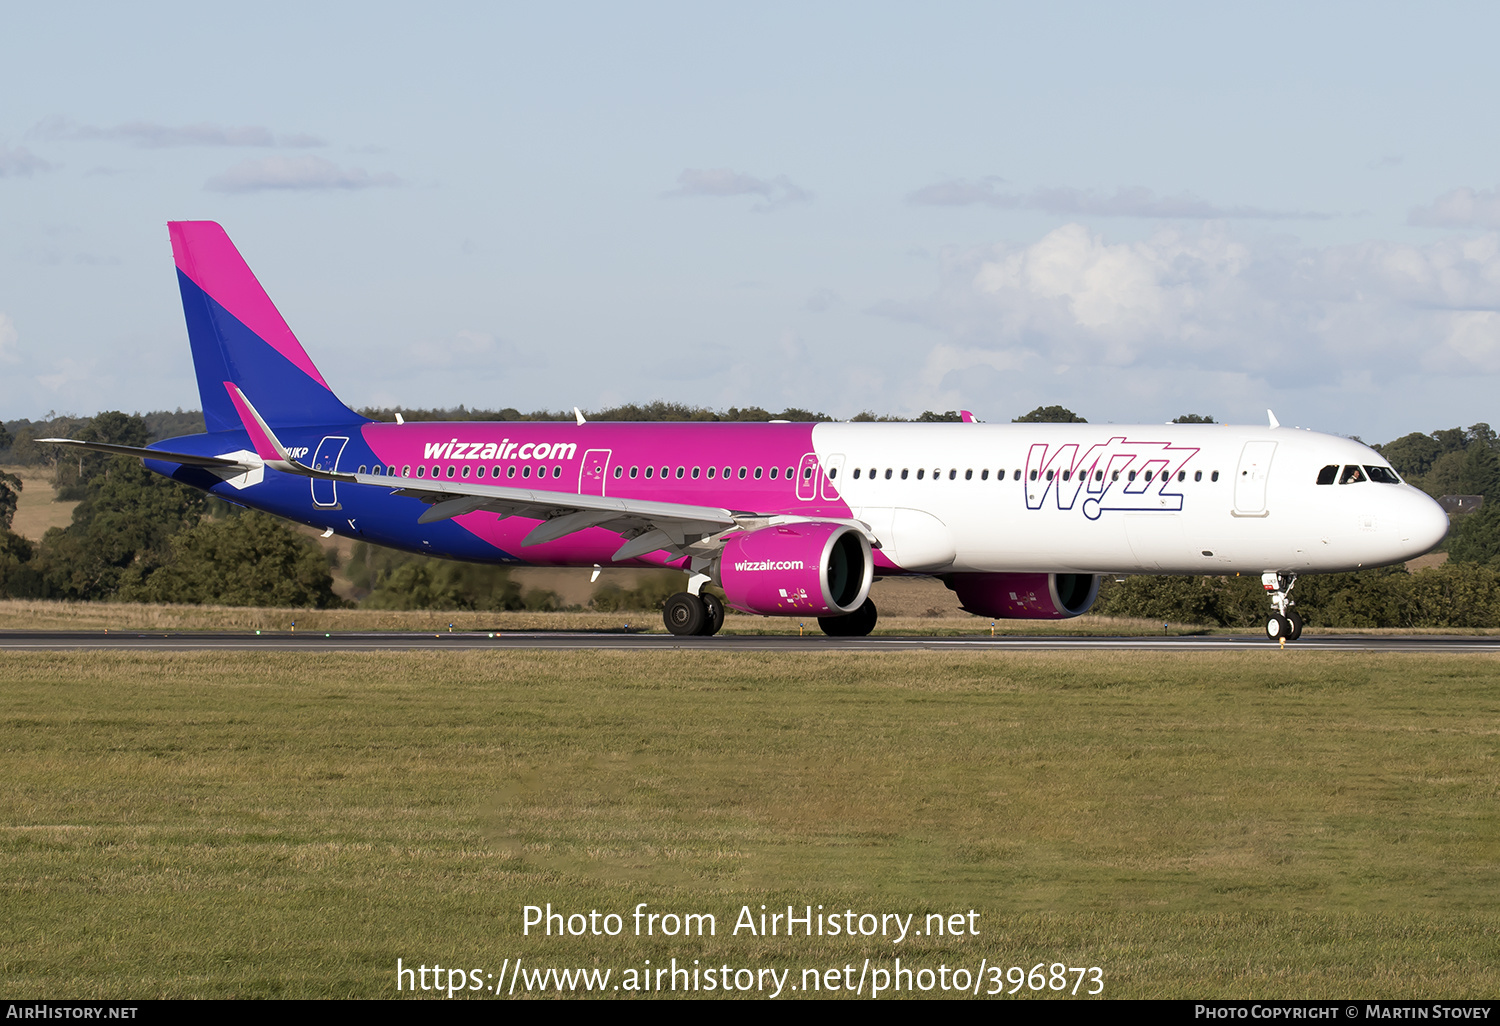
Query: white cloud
{"type": "Point", "coordinates": [723, 182]}
{"type": "Point", "coordinates": [19, 162]}
{"type": "Point", "coordinates": [1461, 208]}
{"type": "Point", "coordinates": [1136, 201]}
{"type": "Point", "coordinates": [153, 136]}
{"type": "Point", "coordinates": [1206, 303]}
{"type": "Point", "coordinates": [294, 173]}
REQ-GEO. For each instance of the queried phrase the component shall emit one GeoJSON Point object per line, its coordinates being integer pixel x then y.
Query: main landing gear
{"type": "Point", "coordinates": [1285, 622]}
{"type": "Point", "coordinates": [851, 625]}
{"type": "Point", "coordinates": [687, 614]}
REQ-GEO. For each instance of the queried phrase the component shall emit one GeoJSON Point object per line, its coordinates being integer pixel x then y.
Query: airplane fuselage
{"type": "Point", "coordinates": [981, 498]}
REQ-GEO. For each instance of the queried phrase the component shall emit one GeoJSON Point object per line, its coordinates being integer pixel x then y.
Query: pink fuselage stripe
{"type": "Point", "coordinates": [585, 458]}
{"type": "Point", "coordinates": [204, 253]}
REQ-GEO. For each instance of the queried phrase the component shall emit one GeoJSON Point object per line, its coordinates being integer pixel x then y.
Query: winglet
{"type": "Point", "coordinates": [267, 446]}
{"type": "Point", "coordinates": [1274, 422]}
{"type": "Point", "coordinates": [966, 417]}
{"type": "Point", "coordinates": [579, 414]}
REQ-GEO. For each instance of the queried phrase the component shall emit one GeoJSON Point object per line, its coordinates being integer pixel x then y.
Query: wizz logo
{"type": "Point", "coordinates": [1118, 474]}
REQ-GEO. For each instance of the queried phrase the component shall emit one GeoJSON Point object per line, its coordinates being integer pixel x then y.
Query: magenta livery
{"type": "Point", "coordinates": [785, 519]}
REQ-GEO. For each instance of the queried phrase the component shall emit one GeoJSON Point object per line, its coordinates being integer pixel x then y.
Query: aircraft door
{"type": "Point", "coordinates": [594, 473]}
{"type": "Point", "coordinates": [807, 478]}
{"type": "Point", "coordinates": [1250, 479]}
{"type": "Point", "coordinates": [325, 493]}
{"type": "Point", "coordinates": [832, 468]}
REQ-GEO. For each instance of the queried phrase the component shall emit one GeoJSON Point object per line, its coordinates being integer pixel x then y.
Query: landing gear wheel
{"type": "Point", "coordinates": [1278, 627]}
{"type": "Point", "coordinates": [684, 614]}
{"type": "Point", "coordinates": [852, 625]}
{"type": "Point", "coordinates": [1295, 619]}
{"type": "Point", "coordinates": [715, 618]}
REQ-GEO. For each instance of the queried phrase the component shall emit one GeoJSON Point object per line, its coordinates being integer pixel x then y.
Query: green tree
{"type": "Point", "coordinates": [127, 515]}
{"type": "Point", "coordinates": [1192, 418]}
{"type": "Point", "coordinates": [10, 498]}
{"type": "Point", "coordinates": [1475, 537]}
{"type": "Point", "coordinates": [1412, 455]}
{"type": "Point", "coordinates": [6, 440]}
{"type": "Point", "coordinates": [1050, 415]}
{"type": "Point", "coordinates": [247, 560]}
{"type": "Point", "coordinates": [18, 578]}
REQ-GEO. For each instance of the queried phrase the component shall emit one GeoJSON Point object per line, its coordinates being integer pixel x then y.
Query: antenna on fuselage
{"type": "Point", "coordinates": [1274, 422]}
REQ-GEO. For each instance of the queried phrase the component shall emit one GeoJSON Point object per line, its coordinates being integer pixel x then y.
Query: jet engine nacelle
{"type": "Point", "coordinates": [811, 568]}
{"type": "Point", "coordinates": [1025, 596]}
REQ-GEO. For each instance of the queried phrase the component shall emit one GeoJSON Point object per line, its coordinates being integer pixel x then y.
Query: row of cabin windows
{"type": "Point", "coordinates": [650, 472]}
{"type": "Point", "coordinates": [437, 471]}
{"type": "Point", "coordinates": [1067, 475]}
{"type": "Point", "coordinates": [712, 472]}
{"type": "Point", "coordinates": [1354, 475]}
{"type": "Point", "coordinates": [1325, 476]}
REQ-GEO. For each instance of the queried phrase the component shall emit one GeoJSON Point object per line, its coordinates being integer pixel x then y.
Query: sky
{"type": "Point", "coordinates": [1135, 211]}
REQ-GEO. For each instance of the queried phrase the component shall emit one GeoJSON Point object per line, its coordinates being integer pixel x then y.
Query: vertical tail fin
{"type": "Point", "coordinates": [238, 336]}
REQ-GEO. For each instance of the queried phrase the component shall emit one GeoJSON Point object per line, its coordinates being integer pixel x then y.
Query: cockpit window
{"type": "Point", "coordinates": [1327, 475]}
{"type": "Point", "coordinates": [1352, 475]}
{"type": "Point", "coordinates": [1382, 475]}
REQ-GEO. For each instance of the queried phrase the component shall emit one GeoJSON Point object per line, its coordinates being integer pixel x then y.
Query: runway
{"type": "Point", "coordinates": [386, 641]}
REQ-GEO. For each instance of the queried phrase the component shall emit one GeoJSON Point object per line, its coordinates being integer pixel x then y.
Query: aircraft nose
{"type": "Point", "coordinates": [1423, 523]}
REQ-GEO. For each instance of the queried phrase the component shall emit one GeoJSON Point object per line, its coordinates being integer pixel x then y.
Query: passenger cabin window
{"type": "Point", "coordinates": [1197, 475]}
{"type": "Point", "coordinates": [421, 471]}
{"type": "Point", "coordinates": [1351, 475]}
{"type": "Point", "coordinates": [1328, 474]}
{"type": "Point", "coordinates": [649, 472]}
{"type": "Point", "coordinates": [1214, 476]}
{"type": "Point", "coordinates": [618, 472]}
{"type": "Point", "coordinates": [920, 472]}
{"type": "Point", "coordinates": [887, 473]}
{"type": "Point", "coordinates": [856, 473]}
{"type": "Point", "coordinates": [903, 474]}
{"type": "Point", "coordinates": [511, 472]}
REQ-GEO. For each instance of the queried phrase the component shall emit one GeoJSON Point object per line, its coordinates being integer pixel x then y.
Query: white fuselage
{"type": "Point", "coordinates": [1099, 498]}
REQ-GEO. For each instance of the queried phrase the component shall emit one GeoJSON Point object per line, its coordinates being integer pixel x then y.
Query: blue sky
{"type": "Point", "coordinates": [1132, 210]}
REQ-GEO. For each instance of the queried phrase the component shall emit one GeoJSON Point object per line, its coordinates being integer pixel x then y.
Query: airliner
{"type": "Point", "coordinates": [1021, 521]}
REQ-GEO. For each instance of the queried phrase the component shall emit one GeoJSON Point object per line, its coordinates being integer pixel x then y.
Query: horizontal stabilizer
{"type": "Point", "coordinates": [186, 459]}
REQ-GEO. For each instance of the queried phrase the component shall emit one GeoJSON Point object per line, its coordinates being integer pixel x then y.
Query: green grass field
{"type": "Point", "coordinates": [1251, 825]}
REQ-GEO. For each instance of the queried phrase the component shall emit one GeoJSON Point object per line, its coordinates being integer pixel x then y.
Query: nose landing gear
{"type": "Point", "coordinates": [1285, 622]}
